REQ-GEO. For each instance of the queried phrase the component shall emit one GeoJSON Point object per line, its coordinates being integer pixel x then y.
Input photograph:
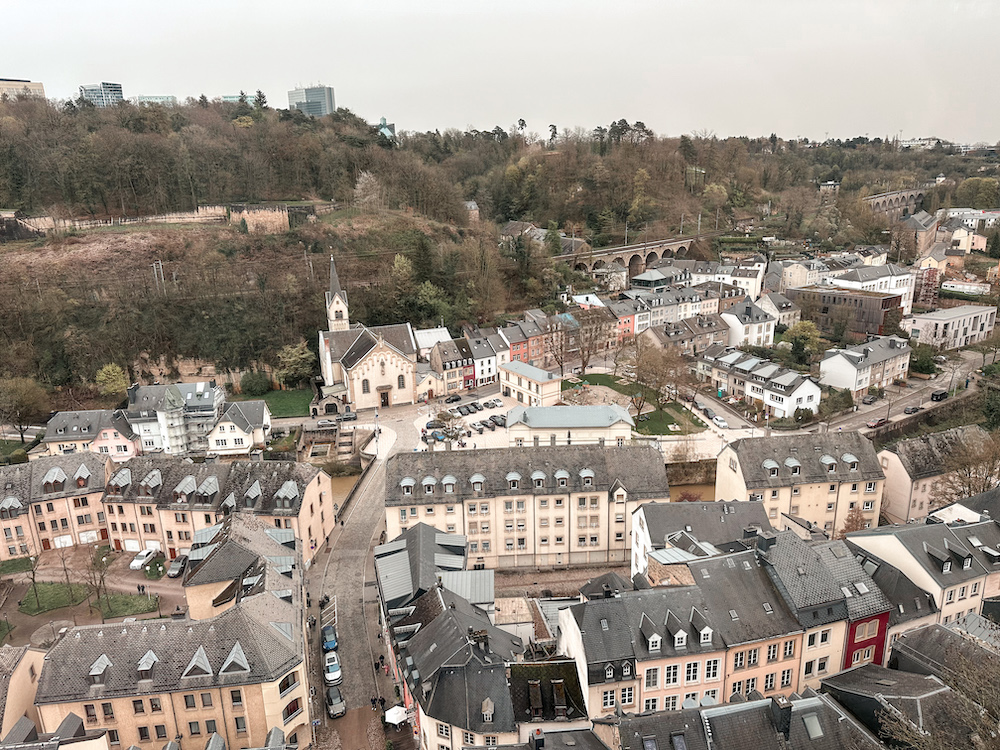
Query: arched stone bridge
{"type": "Point", "coordinates": [898, 204]}
{"type": "Point", "coordinates": [637, 256]}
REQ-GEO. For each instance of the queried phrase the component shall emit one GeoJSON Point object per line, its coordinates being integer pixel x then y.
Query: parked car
{"type": "Point", "coordinates": [699, 406]}
{"type": "Point", "coordinates": [721, 423]}
{"type": "Point", "coordinates": [434, 425]}
{"type": "Point", "coordinates": [464, 410]}
{"type": "Point", "coordinates": [499, 420]}
{"type": "Point", "coordinates": [438, 435]}
{"type": "Point", "coordinates": [877, 422]}
{"type": "Point", "coordinates": [177, 566]}
{"type": "Point", "coordinates": [478, 427]}
{"type": "Point", "coordinates": [489, 424]}
{"type": "Point", "coordinates": [329, 634]}
{"type": "Point", "coordinates": [709, 413]}
{"type": "Point", "coordinates": [335, 703]}
{"type": "Point", "coordinates": [870, 399]}
{"type": "Point", "coordinates": [455, 413]}
{"type": "Point", "coordinates": [325, 424]}
{"type": "Point", "coordinates": [939, 395]}
{"type": "Point", "coordinates": [332, 675]}
{"type": "Point", "coordinates": [912, 409]}
{"type": "Point", "coordinates": [142, 559]}
{"type": "Point", "coordinates": [348, 416]}
{"type": "Point", "coordinates": [453, 399]}
{"type": "Point", "coordinates": [476, 405]}
{"type": "Point", "coordinates": [493, 403]}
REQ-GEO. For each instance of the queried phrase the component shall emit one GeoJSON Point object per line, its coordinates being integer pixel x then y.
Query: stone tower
{"type": "Point", "coordinates": [337, 316]}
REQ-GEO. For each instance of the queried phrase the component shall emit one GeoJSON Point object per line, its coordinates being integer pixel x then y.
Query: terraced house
{"type": "Point", "coordinates": [778, 390]}
{"type": "Point", "coordinates": [238, 673]}
{"type": "Point", "coordinates": [818, 479]}
{"type": "Point", "coordinates": [526, 507]}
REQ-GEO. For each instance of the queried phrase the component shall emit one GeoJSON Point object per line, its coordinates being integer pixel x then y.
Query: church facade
{"type": "Point", "coordinates": [362, 367]}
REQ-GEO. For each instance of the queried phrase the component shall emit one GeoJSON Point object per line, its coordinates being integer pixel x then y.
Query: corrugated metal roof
{"type": "Point", "coordinates": [475, 585]}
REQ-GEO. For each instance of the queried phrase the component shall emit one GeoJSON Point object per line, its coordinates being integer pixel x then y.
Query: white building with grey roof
{"type": "Point", "coordinates": [877, 363]}
{"type": "Point", "coordinates": [604, 425]}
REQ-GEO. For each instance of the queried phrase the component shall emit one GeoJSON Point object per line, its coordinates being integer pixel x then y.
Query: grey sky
{"type": "Point", "coordinates": [735, 67]}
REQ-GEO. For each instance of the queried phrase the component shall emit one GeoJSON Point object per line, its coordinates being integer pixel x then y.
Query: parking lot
{"type": "Point", "coordinates": [496, 438]}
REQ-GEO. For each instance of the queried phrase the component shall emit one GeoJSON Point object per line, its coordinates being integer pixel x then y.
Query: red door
{"type": "Point", "coordinates": [46, 544]}
{"type": "Point", "coordinates": [173, 553]}
{"type": "Point", "coordinates": [118, 545]}
{"type": "Point", "coordinates": [104, 534]}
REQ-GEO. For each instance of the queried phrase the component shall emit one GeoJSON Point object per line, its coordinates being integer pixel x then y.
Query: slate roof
{"type": "Point", "coordinates": [639, 469]}
{"type": "Point", "coordinates": [78, 425]}
{"type": "Point", "coordinates": [569, 417]}
{"type": "Point", "coordinates": [932, 648]}
{"type": "Point", "coordinates": [872, 352]}
{"type": "Point", "coordinates": [798, 572]}
{"type": "Point", "coordinates": [269, 654]}
{"type": "Point", "coordinates": [920, 221]}
{"type": "Point", "coordinates": [862, 274]}
{"type": "Point", "coordinates": [616, 631]}
{"type": "Point", "coordinates": [335, 287]}
{"type": "Point", "coordinates": [407, 567]}
{"type": "Point", "coordinates": [71, 730]}
{"type": "Point", "coordinates": [712, 522]}
{"type": "Point", "coordinates": [528, 371]}
{"type": "Point", "coordinates": [867, 599]}
{"type": "Point", "coordinates": [451, 673]}
{"type": "Point", "coordinates": [557, 682]}
{"type": "Point", "coordinates": [247, 415]}
{"type": "Point", "coordinates": [350, 347]}
{"type": "Point", "coordinates": [228, 561]}
{"type": "Point", "coordinates": [930, 546]}
{"type": "Point", "coordinates": [607, 584]}
{"type": "Point", "coordinates": [88, 466]}
{"type": "Point", "coordinates": [808, 451]}
{"type": "Point", "coordinates": [907, 600]}
{"type": "Point", "coordinates": [930, 455]}
{"type": "Point", "coordinates": [16, 488]}
{"type": "Point", "coordinates": [738, 583]}
{"type": "Point", "coordinates": [747, 313]}
{"type": "Point", "coordinates": [637, 732]}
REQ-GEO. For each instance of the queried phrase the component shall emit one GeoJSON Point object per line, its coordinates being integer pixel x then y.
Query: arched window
{"type": "Point", "coordinates": [338, 315]}
{"type": "Point", "coordinates": [401, 382]}
{"type": "Point", "coordinates": [382, 368]}
{"type": "Point", "coordinates": [365, 387]}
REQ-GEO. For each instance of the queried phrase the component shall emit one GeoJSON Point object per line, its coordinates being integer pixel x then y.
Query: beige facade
{"type": "Point", "coordinates": [823, 653]}
{"type": "Point", "coordinates": [19, 670]}
{"type": "Point", "coordinates": [769, 665]}
{"type": "Point", "coordinates": [530, 385]}
{"type": "Point", "coordinates": [819, 483]}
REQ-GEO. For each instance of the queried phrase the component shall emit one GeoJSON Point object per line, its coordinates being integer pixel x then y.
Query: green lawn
{"type": "Point", "coordinates": [288, 442]}
{"type": "Point", "coordinates": [15, 565]}
{"type": "Point", "coordinates": [659, 420]}
{"type": "Point", "coordinates": [156, 569]}
{"type": "Point", "coordinates": [283, 403]}
{"type": "Point", "coordinates": [52, 596]}
{"type": "Point", "coordinates": [126, 605]}
{"type": "Point", "coordinates": [9, 446]}
{"type": "Point", "coordinates": [4, 630]}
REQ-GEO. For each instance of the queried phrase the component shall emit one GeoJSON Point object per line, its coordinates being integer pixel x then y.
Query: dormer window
{"type": "Point", "coordinates": [588, 481]}
{"type": "Point", "coordinates": [477, 486]}
{"type": "Point", "coordinates": [654, 643]}
{"type": "Point", "coordinates": [854, 465]}
{"type": "Point", "coordinates": [562, 481]}
{"type": "Point", "coordinates": [680, 640]}
{"type": "Point", "coordinates": [539, 483]}
{"type": "Point", "coordinates": [81, 482]}
{"type": "Point", "coordinates": [609, 672]}
{"type": "Point", "coordinates": [796, 470]}
{"type": "Point", "coordinates": [449, 488]}
{"type": "Point", "coordinates": [626, 670]}
{"type": "Point", "coordinates": [773, 472]}
{"type": "Point", "coordinates": [407, 489]}
{"type": "Point", "coordinates": [967, 563]}
{"type": "Point", "coordinates": [706, 635]}
{"type": "Point", "coordinates": [513, 484]}
{"type": "Point", "coordinates": [831, 468]}
{"type": "Point", "coordinates": [487, 711]}
{"type": "Point", "coordinates": [946, 566]}
{"type": "Point", "coordinates": [428, 489]}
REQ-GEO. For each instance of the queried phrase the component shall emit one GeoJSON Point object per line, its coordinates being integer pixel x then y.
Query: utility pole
{"type": "Point", "coordinates": [699, 222]}
{"type": "Point", "coordinates": [682, 225]}
{"type": "Point", "coordinates": [717, 219]}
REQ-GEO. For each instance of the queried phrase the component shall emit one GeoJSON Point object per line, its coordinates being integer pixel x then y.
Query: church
{"type": "Point", "coordinates": [362, 367]}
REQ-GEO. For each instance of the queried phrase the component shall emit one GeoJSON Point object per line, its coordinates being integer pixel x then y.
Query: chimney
{"type": "Point", "coordinates": [781, 714]}
{"type": "Point", "coordinates": [765, 540]}
{"type": "Point", "coordinates": [538, 739]}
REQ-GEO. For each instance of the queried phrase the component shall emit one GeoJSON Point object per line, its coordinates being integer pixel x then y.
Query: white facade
{"type": "Point", "coordinates": [782, 403]}
{"type": "Point", "coordinates": [952, 327]}
{"type": "Point", "coordinates": [971, 217]}
{"type": "Point", "coordinates": [877, 363]}
{"type": "Point", "coordinates": [888, 279]}
{"type": "Point", "coordinates": [754, 327]}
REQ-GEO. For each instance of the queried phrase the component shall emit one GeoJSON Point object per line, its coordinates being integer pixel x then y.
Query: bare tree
{"type": "Point", "coordinates": [855, 521]}
{"type": "Point", "coordinates": [972, 467]}
{"type": "Point", "coordinates": [96, 574]}
{"type": "Point", "coordinates": [33, 574]}
{"type": "Point", "coordinates": [596, 330]}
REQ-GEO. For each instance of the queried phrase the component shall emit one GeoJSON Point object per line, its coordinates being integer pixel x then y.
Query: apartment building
{"type": "Point", "coordinates": [103, 94]}
{"type": "Point", "coordinates": [159, 503]}
{"type": "Point", "coordinates": [530, 385]}
{"type": "Point", "coordinates": [877, 363]}
{"type": "Point", "coordinates": [243, 426]}
{"type": "Point", "coordinates": [691, 336]}
{"type": "Point", "coordinates": [848, 312]}
{"type": "Point", "coordinates": [779, 391]}
{"type": "Point", "coordinates": [817, 478]}
{"type": "Point", "coordinates": [749, 324]}
{"type": "Point", "coordinates": [785, 312]}
{"type": "Point", "coordinates": [527, 507]}
{"type": "Point", "coordinates": [14, 87]}
{"type": "Point", "coordinates": [71, 733]}
{"type": "Point", "coordinates": [176, 418]}
{"type": "Point", "coordinates": [237, 674]}
{"type": "Point", "coordinates": [957, 565]}
{"type": "Point", "coordinates": [952, 327]}
{"type": "Point", "coordinates": [889, 279]}
{"type": "Point", "coordinates": [453, 362]}
{"type": "Point", "coordinates": [20, 667]}
{"type": "Point", "coordinates": [604, 425]}
{"type": "Point", "coordinates": [914, 468]}
{"type": "Point", "coordinates": [99, 431]}
{"type": "Point", "coordinates": [649, 650]}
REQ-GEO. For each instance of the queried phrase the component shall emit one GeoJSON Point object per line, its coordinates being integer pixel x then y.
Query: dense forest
{"type": "Point", "coordinates": [72, 303]}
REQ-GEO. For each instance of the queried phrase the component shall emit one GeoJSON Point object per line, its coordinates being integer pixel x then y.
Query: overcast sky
{"type": "Point", "coordinates": [734, 67]}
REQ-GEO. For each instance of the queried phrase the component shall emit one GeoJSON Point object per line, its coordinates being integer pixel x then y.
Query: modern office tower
{"type": "Point", "coordinates": [102, 94]}
{"type": "Point", "coordinates": [12, 87]}
{"type": "Point", "coordinates": [316, 101]}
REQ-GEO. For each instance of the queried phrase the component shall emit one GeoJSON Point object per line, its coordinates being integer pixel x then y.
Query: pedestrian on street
{"type": "Point", "coordinates": [386, 670]}
{"type": "Point", "coordinates": [138, 588]}
{"type": "Point", "coordinates": [381, 703]}
{"type": "Point", "coordinates": [374, 701]}
{"type": "Point", "coordinates": [376, 666]}
{"type": "Point", "coordinates": [381, 660]}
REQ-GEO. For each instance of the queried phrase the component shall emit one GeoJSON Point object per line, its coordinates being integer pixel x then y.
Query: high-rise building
{"type": "Point", "coordinates": [102, 94]}
{"type": "Point", "coordinates": [12, 87]}
{"type": "Point", "coordinates": [316, 101]}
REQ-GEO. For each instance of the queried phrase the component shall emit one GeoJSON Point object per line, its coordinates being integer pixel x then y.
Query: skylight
{"type": "Point", "coordinates": [813, 728]}
{"type": "Point", "coordinates": [604, 624]}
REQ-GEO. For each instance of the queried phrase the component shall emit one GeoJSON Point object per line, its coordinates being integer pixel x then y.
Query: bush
{"type": "Point", "coordinates": [255, 384]}
{"type": "Point", "coordinates": [19, 456]}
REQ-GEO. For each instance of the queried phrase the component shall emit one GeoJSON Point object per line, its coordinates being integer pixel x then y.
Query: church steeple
{"type": "Point", "coordinates": [337, 315]}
